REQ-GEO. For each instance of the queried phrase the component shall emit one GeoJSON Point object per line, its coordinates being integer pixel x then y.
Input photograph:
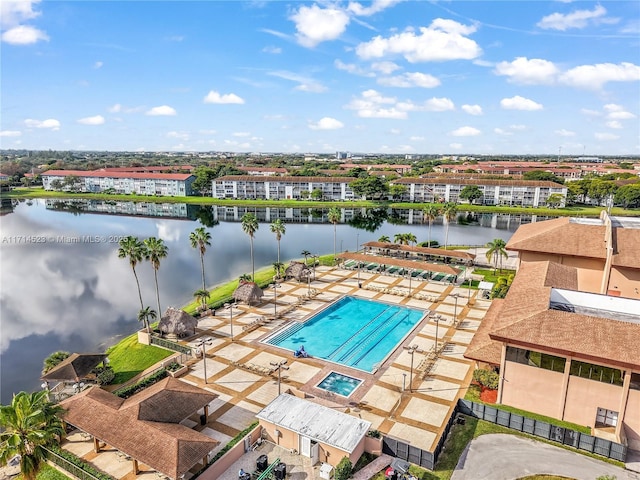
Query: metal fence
{"type": "Point", "coordinates": [562, 435]}
{"type": "Point", "coordinates": [415, 455]}
{"type": "Point", "coordinates": [168, 344]}
{"type": "Point", "coordinates": [72, 468]}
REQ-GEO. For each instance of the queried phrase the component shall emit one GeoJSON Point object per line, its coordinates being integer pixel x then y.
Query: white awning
{"type": "Point", "coordinates": [485, 285]}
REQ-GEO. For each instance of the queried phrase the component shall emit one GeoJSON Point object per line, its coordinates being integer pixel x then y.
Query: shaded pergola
{"type": "Point", "coordinates": [146, 427]}
{"type": "Point", "coordinates": [387, 248]}
{"type": "Point", "coordinates": [177, 323]}
{"type": "Point", "coordinates": [398, 262]}
{"type": "Point", "coordinates": [77, 367]}
{"type": "Point", "coordinates": [248, 292]}
{"type": "Point", "coordinates": [298, 270]}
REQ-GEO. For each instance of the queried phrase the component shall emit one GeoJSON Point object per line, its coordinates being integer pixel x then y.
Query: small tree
{"type": "Point", "coordinates": [343, 469]}
{"type": "Point", "coordinates": [487, 378]}
{"type": "Point", "coordinates": [53, 360]}
{"type": "Point", "coordinates": [471, 193]}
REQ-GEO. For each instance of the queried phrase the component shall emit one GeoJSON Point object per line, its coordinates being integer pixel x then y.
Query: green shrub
{"type": "Point", "coordinates": [126, 392]}
{"type": "Point", "coordinates": [343, 469]}
{"type": "Point", "coordinates": [78, 462]}
{"type": "Point", "coordinates": [374, 433]}
{"type": "Point", "coordinates": [486, 378]}
{"type": "Point", "coordinates": [104, 375]}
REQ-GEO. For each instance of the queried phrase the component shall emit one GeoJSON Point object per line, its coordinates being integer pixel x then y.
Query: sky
{"type": "Point", "coordinates": [385, 76]}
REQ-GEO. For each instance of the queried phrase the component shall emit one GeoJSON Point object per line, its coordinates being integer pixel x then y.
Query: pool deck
{"type": "Point", "coordinates": [238, 370]}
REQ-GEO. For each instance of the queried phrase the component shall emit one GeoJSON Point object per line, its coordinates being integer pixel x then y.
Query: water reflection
{"type": "Point", "coordinates": [79, 296]}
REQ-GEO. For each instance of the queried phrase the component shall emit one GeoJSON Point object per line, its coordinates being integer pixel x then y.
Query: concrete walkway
{"type": "Point", "coordinates": [507, 457]}
{"type": "Point", "coordinates": [374, 467]}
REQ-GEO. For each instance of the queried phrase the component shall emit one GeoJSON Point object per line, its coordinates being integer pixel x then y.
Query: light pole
{"type": "Point", "coordinates": [469, 285]}
{"type": "Point", "coordinates": [412, 350]}
{"type": "Point", "coordinates": [276, 286]}
{"type": "Point", "coordinates": [410, 275]}
{"type": "Point", "coordinates": [201, 344]}
{"type": "Point", "coordinates": [281, 365]}
{"type": "Point", "coordinates": [230, 307]}
{"type": "Point", "coordinates": [455, 308]}
{"type": "Point", "coordinates": [315, 259]}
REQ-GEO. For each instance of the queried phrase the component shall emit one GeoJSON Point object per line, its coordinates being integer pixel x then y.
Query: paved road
{"type": "Point", "coordinates": [507, 457]}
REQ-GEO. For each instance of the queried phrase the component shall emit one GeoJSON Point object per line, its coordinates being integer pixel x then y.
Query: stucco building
{"type": "Point", "coordinates": [282, 188]}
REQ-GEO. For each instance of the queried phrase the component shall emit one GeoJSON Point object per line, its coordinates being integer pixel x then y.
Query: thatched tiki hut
{"type": "Point", "coordinates": [248, 292]}
{"type": "Point", "coordinates": [177, 323]}
{"type": "Point", "coordinates": [298, 270]}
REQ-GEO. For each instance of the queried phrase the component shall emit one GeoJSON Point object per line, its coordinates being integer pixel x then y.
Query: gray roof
{"type": "Point", "coordinates": [317, 422]}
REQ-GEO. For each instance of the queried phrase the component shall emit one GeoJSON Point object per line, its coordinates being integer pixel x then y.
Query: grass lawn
{"type": "Point", "coordinates": [47, 472]}
{"type": "Point", "coordinates": [489, 276]}
{"type": "Point", "coordinates": [544, 477]}
{"type": "Point", "coordinates": [128, 358]}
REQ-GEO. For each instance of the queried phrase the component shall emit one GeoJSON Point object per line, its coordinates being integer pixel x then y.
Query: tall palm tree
{"type": "Point", "coordinates": [250, 227]}
{"type": "Point", "coordinates": [399, 238]}
{"type": "Point", "coordinates": [278, 227]}
{"type": "Point", "coordinates": [334, 217]}
{"type": "Point", "coordinates": [497, 251]}
{"type": "Point", "coordinates": [277, 268]}
{"type": "Point", "coordinates": [202, 296]}
{"type": "Point", "coordinates": [450, 210]}
{"type": "Point", "coordinates": [28, 426]}
{"type": "Point", "coordinates": [305, 254]}
{"type": "Point", "coordinates": [155, 250]}
{"type": "Point", "coordinates": [201, 239]}
{"type": "Point", "coordinates": [384, 239]}
{"type": "Point", "coordinates": [133, 249]}
{"type": "Point", "coordinates": [410, 238]}
{"type": "Point", "coordinates": [145, 315]}
{"type": "Point", "coordinates": [431, 212]}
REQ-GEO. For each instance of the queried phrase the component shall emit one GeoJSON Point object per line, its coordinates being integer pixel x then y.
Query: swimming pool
{"type": "Point", "coordinates": [354, 332]}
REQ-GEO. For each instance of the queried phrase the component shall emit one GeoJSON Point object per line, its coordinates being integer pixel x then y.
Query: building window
{"type": "Point", "coordinates": [635, 381]}
{"type": "Point", "coordinates": [536, 359]}
{"type": "Point", "coordinates": [596, 372]}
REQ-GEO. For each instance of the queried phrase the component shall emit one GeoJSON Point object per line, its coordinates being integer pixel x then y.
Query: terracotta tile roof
{"type": "Point", "coordinates": [481, 347]}
{"type": "Point", "coordinates": [626, 252]}
{"type": "Point", "coordinates": [424, 250]}
{"type": "Point", "coordinates": [145, 425]}
{"type": "Point", "coordinates": [284, 178]}
{"type": "Point", "coordinates": [75, 367]}
{"type": "Point", "coordinates": [111, 174]}
{"type": "Point", "coordinates": [262, 169]}
{"type": "Point", "coordinates": [560, 236]}
{"type": "Point", "coordinates": [398, 262]}
{"type": "Point", "coordinates": [484, 181]}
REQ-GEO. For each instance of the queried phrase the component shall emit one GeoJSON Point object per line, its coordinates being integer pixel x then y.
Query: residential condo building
{"type": "Point", "coordinates": [282, 188]}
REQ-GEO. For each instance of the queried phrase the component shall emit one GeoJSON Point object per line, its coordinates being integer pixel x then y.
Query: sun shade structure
{"type": "Point", "coordinates": [396, 262]}
{"type": "Point", "coordinates": [297, 270]}
{"type": "Point", "coordinates": [434, 252]}
{"type": "Point", "coordinates": [146, 426]}
{"type": "Point", "coordinates": [75, 368]}
{"type": "Point", "coordinates": [317, 422]}
{"type": "Point", "coordinates": [248, 292]}
{"type": "Point", "coordinates": [177, 323]}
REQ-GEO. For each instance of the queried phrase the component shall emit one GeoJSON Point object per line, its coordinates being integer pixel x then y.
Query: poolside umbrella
{"type": "Point", "coordinates": [177, 323]}
{"type": "Point", "coordinates": [297, 270]}
{"type": "Point", "coordinates": [248, 292]}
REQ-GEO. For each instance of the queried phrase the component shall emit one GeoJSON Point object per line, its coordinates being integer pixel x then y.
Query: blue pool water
{"type": "Point", "coordinates": [341, 384]}
{"type": "Point", "coordinates": [354, 332]}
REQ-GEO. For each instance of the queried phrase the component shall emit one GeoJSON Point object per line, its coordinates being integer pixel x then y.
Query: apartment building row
{"type": "Point", "coordinates": [139, 183]}
{"type": "Point", "coordinates": [495, 192]}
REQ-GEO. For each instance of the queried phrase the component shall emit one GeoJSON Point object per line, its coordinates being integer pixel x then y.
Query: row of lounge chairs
{"type": "Point", "coordinates": [401, 272]}
{"type": "Point", "coordinates": [252, 367]}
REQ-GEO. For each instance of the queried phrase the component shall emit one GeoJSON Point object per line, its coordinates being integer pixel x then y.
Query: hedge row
{"type": "Point", "coordinates": [126, 392]}
{"type": "Point", "coordinates": [81, 464]}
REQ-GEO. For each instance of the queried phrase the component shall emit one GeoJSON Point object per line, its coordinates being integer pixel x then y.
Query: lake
{"type": "Point", "coordinates": [63, 287]}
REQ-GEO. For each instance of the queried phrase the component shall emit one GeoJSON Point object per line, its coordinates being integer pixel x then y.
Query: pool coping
{"type": "Point", "coordinates": [333, 372]}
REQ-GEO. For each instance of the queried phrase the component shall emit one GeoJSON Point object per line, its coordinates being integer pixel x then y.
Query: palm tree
{"type": "Point", "coordinates": [334, 217]}
{"type": "Point", "coordinates": [384, 239]}
{"type": "Point", "coordinates": [145, 315]}
{"type": "Point", "coordinates": [244, 278]}
{"type": "Point", "coordinates": [250, 227]}
{"type": "Point", "coordinates": [278, 227]}
{"type": "Point", "coordinates": [202, 296]}
{"type": "Point", "coordinates": [277, 268]}
{"type": "Point", "coordinates": [133, 249]}
{"type": "Point", "coordinates": [305, 254]}
{"type": "Point", "coordinates": [497, 251]}
{"type": "Point", "coordinates": [399, 238]}
{"type": "Point", "coordinates": [450, 210]}
{"type": "Point", "coordinates": [53, 360]}
{"type": "Point", "coordinates": [431, 212]}
{"type": "Point", "coordinates": [410, 238]}
{"type": "Point", "coordinates": [28, 426]}
{"type": "Point", "coordinates": [201, 239]}
{"type": "Point", "coordinates": [155, 250]}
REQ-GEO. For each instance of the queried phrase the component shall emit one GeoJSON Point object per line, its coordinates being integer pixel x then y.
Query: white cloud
{"type": "Point", "coordinates": [575, 19]}
{"type": "Point", "coordinates": [466, 132]}
{"type": "Point", "coordinates": [565, 133]}
{"type": "Point", "coordinates": [95, 120]}
{"type": "Point", "coordinates": [176, 38]}
{"type": "Point", "coordinates": [98, 65]}
{"type": "Point", "coordinates": [375, 7]}
{"type": "Point", "coordinates": [528, 72]}
{"type": "Point", "coordinates": [395, 131]}
{"type": "Point", "coordinates": [593, 77]}
{"type": "Point", "coordinates": [215, 97]}
{"type": "Point", "coordinates": [416, 138]}
{"type": "Point", "coordinates": [272, 49]}
{"type": "Point", "coordinates": [518, 127]}
{"type": "Point", "coordinates": [305, 84]}
{"type": "Point", "coordinates": [51, 123]}
{"type": "Point", "coordinates": [500, 131]}
{"type": "Point", "coordinates": [14, 12]}
{"type": "Point", "coordinates": [442, 40]}
{"type": "Point", "coordinates": [326, 123]}
{"type": "Point", "coordinates": [10, 133]}
{"type": "Point", "coordinates": [590, 113]}
{"type": "Point", "coordinates": [241, 134]}
{"type": "Point", "coordinates": [316, 25]}
{"type": "Point", "coordinates": [606, 136]}
{"type": "Point", "coordinates": [617, 112]}
{"type": "Point", "coordinates": [179, 135]}
{"type": "Point", "coordinates": [408, 80]}
{"type": "Point", "coordinates": [352, 68]}
{"type": "Point", "coordinates": [115, 108]}
{"type": "Point", "coordinates": [372, 104]}
{"type": "Point", "coordinates": [163, 110]}
{"type": "Point", "coordinates": [613, 124]}
{"type": "Point", "coordinates": [23, 35]}
{"type": "Point", "coordinates": [385, 67]}
{"type": "Point", "coordinates": [207, 132]}
{"type": "Point", "coordinates": [519, 103]}
{"type": "Point", "coordinates": [472, 109]}
{"type": "Point", "coordinates": [313, 87]}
